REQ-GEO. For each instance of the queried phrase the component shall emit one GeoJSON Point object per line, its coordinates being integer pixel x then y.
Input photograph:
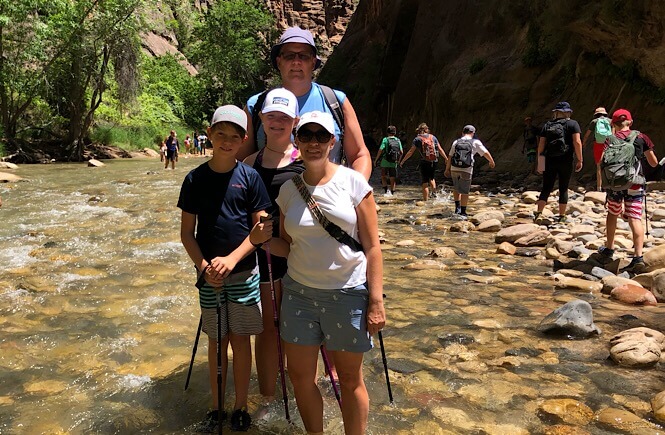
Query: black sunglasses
{"type": "Point", "coordinates": [322, 136]}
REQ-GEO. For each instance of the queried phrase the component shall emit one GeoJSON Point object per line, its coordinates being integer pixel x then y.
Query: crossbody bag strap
{"type": "Point", "coordinates": [333, 229]}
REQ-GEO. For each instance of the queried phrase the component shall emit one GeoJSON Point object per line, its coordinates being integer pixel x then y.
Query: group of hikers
{"type": "Point", "coordinates": [285, 239]}
{"type": "Point", "coordinates": [263, 220]}
{"type": "Point", "coordinates": [169, 149]}
{"type": "Point", "coordinates": [619, 153]}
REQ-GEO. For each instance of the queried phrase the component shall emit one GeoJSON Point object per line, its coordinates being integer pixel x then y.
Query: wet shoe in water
{"type": "Point", "coordinates": [210, 422]}
{"type": "Point", "coordinates": [240, 420]}
{"type": "Point", "coordinates": [636, 266]}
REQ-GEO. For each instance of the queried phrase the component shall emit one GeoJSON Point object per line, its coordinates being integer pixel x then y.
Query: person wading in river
{"type": "Point", "coordinates": [295, 56]}
{"type": "Point", "coordinates": [221, 200]}
{"type": "Point", "coordinates": [430, 150]}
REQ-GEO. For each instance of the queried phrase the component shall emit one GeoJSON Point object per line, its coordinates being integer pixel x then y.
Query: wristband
{"type": "Point", "coordinates": [256, 245]}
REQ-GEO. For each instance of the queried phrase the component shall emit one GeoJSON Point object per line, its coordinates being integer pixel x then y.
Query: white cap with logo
{"type": "Point", "coordinates": [324, 119]}
{"type": "Point", "coordinates": [281, 100]}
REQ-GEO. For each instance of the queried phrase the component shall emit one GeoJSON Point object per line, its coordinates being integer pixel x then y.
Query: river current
{"type": "Point", "coordinates": [98, 314]}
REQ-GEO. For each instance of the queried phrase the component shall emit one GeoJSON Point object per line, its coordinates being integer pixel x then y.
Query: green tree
{"type": "Point", "coordinates": [232, 50]}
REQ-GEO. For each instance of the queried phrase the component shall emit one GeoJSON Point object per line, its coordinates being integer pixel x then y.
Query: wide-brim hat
{"type": "Point", "coordinates": [294, 35]}
{"type": "Point", "coordinates": [600, 111]}
{"type": "Point", "coordinates": [562, 106]}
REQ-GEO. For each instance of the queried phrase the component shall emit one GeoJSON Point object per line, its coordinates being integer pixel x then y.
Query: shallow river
{"type": "Point", "coordinates": [98, 315]}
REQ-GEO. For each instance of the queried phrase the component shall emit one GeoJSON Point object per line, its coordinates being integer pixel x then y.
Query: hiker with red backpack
{"type": "Point", "coordinates": [295, 57]}
{"type": "Point", "coordinates": [460, 166]}
{"type": "Point", "coordinates": [390, 152]}
{"type": "Point", "coordinates": [430, 149]}
{"type": "Point", "coordinates": [624, 182]}
{"type": "Point", "coordinates": [559, 143]}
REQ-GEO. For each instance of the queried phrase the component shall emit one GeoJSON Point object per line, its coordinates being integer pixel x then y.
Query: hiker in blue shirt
{"type": "Point", "coordinates": [295, 56]}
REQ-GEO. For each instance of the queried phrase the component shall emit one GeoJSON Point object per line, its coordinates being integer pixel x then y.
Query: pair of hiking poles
{"type": "Point", "coordinates": [326, 362]}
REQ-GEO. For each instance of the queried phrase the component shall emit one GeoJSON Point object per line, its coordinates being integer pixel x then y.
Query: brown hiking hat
{"type": "Point", "coordinates": [600, 111]}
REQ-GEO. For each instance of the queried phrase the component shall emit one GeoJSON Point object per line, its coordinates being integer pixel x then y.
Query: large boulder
{"type": "Point", "coordinates": [613, 281]}
{"type": "Point", "coordinates": [573, 319]}
{"type": "Point", "coordinates": [94, 163]}
{"type": "Point", "coordinates": [506, 248]}
{"type": "Point", "coordinates": [512, 233]}
{"type": "Point", "coordinates": [567, 411]}
{"type": "Point", "coordinates": [483, 216]}
{"type": "Point", "coordinates": [633, 294]}
{"type": "Point", "coordinates": [6, 177]}
{"type": "Point", "coordinates": [655, 258]}
{"type": "Point", "coordinates": [8, 165]}
{"type": "Point", "coordinates": [537, 238]}
{"type": "Point", "coordinates": [637, 347]}
{"type": "Point", "coordinates": [489, 226]}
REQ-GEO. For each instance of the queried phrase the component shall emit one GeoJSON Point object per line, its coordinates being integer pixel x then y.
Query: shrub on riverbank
{"type": "Point", "coordinates": [137, 137]}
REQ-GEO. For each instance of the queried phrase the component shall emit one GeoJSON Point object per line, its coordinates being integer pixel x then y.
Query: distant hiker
{"type": "Point", "coordinates": [623, 179]}
{"type": "Point", "coordinates": [221, 201]}
{"type": "Point", "coordinates": [333, 290]}
{"type": "Point", "coordinates": [460, 166]}
{"type": "Point", "coordinates": [162, 151]}
{"type": "Point", "coordinates": [530, 146]}
{"type": "Point", "coordinates": [598, 130]}
{"type": "Point", "coordinates": [172, 148]}
{"type": "Point", "coordinates": [276, 164]}
{"type": "Point", "coordinates": [188, 144]}
{"type": "Point", "coordinates": [195, 142]}
{"type": "Point", "coordinates": [390, 153]}
{"type": "Point", "coordinates": [203, 141]}
{"type": "Point", "coordinates": [430, 149]}
{"type": "Point", "coordinates": [295, 56]}
{"type": "Point", "coordinates": [559, 142]}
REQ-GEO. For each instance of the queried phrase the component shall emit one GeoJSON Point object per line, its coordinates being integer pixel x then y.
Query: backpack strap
{"type": "Point", "coordinates": [256, 120]}
{"type": "Point", "coordinates": [338, 114]}
{"type": "Point", "coordinates": [334, 230]}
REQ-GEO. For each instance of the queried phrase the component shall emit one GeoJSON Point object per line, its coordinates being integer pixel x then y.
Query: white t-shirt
{"type": "Point", "coordinates": [316, 259]}
{"type": "Point", "coordinates": [477, 147]}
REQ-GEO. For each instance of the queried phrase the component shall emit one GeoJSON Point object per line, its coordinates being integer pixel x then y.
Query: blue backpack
{"type": "Point", "coordinates": [603, 129]}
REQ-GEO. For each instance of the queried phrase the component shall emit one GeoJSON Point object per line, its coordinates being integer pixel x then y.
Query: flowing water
{"type": "Point", "coordinates": [98, 315]}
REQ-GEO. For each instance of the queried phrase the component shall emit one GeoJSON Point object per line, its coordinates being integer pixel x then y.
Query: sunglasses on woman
{"type": "Point", "coordinates": [300, 55]}
{"type": "Point", "coordinates": [322, 136]}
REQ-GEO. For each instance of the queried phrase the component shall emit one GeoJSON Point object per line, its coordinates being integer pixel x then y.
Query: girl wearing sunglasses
{"type": "Point", "coordinates": [332, 293]}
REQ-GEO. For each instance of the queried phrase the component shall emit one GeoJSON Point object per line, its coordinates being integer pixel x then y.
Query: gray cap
{"type": "Point", "coordinates": [469, 129]}
{"type": "Point", "coordinates": [230, 113]}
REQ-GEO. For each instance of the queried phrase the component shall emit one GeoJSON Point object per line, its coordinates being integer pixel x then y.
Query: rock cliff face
{"type": "Point", "coordinates": [491, 63]}
{"type": "Point", "coordinates": [327, 19]}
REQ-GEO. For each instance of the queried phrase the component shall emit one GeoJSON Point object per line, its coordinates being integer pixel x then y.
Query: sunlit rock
{"type": "Point", "coordinates": [575, 319]}
{"type": "Point", "coordinates": [489, 226]}
{"type": "Point", "coordinates": [512, 233]}
{"type": "Point", "coordinates": [577, 283]}
{"type": "Point", "coordinates": [506, 248]}
{"type": "Point", "coordinates": [443, 252]}
{"type": "Point", "coordinates": [564, 410]}
{"type": "Point", "coordinates": [425, 265]}
{"type": "Point", "coordinates": [484, 216]}
{"type": "Point", "coordinates": [624, 422]}
{"type": "Point", "coordinates": [536, 238]}
{"type": "Point", "coordinates": [633, 294]}
{"type": "Point", "coordinates": [405, 243]}
{"type": "Point", "coordinates": [658, 406]}
{"type": "Point", "coordinates": [47, 387]}
{"type": "Point", "coordinates": [654, 258]}
{"type": "Point", "coordinates": [95, 163]}
{"type": "Point", "coordinates": [637, 347]}
{"type": "Point", "coordinates": [612, 282]}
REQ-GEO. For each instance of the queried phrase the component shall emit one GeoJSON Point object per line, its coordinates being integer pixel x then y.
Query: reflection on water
{"type": "Point", "coordinates": [98, 315]}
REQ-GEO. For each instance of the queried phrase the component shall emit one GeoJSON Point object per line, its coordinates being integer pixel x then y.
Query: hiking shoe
{"type": "Point", "coordinates": [209, 423]}
{"type": "Point", "coordinates": [636, 266]}
{"type": "Point", "coordinates": [241, 420]}
{"type": "Point", "coordinates": [433, 195]}
{"type": "Point", "coordinates": [563, 219]}
{"type": "Point", "coordinates": [606, 252]}
{"type": "Point", "coordinates": [458, 210]}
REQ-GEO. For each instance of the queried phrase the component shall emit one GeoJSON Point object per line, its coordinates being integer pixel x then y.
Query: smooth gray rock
{"type": "Point", "coordinates": [574, 319]}
{"type": "Point", "coordinates": [600, 273]}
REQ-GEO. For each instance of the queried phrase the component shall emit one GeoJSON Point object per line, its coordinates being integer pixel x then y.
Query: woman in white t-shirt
{"type": "Point", "coordinates": [333, 294]}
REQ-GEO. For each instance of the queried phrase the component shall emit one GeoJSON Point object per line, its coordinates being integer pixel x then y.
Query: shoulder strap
{"type": "Point", "coordinates": [335, 231]}
{"type": "Point", "coordinates": [338, 114]}
{"type": "Point", "coordinates": [256, 121]}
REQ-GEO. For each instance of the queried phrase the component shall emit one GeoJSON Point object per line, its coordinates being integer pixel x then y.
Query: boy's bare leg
{"type": "Point", "coordinates": [267, 358]}
{"type": "Point", "coordinates": [242, 367]}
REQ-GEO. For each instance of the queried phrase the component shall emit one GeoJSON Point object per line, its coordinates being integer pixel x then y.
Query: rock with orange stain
{"type": "Point", "coordinates": [633, 294]}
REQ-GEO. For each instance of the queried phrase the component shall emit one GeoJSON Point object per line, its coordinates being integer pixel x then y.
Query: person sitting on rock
{"type": "Point", "coordinates": [628, 201]}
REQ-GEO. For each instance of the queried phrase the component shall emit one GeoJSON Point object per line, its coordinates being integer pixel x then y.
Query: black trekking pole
{"type": "Point", "coordinates": [219, 359]}
{"type": "Point", "coordinates": [646, 211]}
{"type": "Point", "coordinates": [279, 339]}
{"type": "Point", "coordinates": [326, 365]}
{"type": "Point", "coordinates": [385, 364]}
{"type": "Point", "coordinates": [199, 283]}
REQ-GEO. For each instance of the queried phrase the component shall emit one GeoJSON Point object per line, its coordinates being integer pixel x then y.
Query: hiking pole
{"type": "Point", "coordinates": [219, 358]}
{"type": "Point", "coordinates": [385, 364]}
{"type": "Point", "coordinates": [279, 339]}
{"type": "Point", "coordinates": [646, 211]}
{"type": "Point", "coordinates": [385, 367]}
{"type": "Point", "coordinates": [326, 364]}
{"type": "Point", "coordinates": [199, 283]}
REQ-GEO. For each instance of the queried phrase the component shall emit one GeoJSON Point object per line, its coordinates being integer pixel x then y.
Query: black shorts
{"type": "Point", "coordinates": [390, 172]}
{"type": "Point", "coordinates": [427, 170]}
{"type": "Point", "coordinates": [278, 266]}
{"type": "Point", "coordinates": [171, 154]}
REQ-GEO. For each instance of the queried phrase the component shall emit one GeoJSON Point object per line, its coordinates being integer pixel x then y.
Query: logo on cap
{"type": "Point", "coordinates": [280, 100]}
